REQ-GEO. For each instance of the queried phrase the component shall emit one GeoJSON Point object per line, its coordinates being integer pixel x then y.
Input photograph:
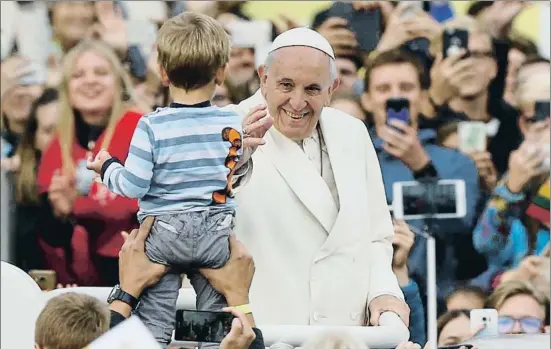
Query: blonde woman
{"type": "Point", "coordinates": [79, 216]}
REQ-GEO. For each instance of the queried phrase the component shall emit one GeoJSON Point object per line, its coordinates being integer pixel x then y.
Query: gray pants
{"type": "Point", "coordinates": [185, 242]}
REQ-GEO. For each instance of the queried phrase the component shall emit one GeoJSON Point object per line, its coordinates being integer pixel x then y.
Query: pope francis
{"type": "Point", "coordinates": [311, 207]}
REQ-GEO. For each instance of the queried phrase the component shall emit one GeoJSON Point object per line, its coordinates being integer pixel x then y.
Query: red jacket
{"type": "Point", "coordinates": [101, 214]}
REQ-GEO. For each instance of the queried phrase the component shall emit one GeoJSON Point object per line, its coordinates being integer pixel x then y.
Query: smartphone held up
{"type": "Point", "coordinates": [454, 41]}
{"type": "Point", "coordinates": [442, 199]}
{"type": "Point", "coordinates": [397, 109]}
{"type": "Point", "coordinates": [202, 326]}
{"type": "Point", "coordinates": [472, 136]}
{"type": "Point", "coordinates": [367, 25]}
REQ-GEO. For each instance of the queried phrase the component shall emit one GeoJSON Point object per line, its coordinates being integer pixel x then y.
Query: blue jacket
{"type": "Point", "coordinates": [417, 330]}
{"type": "Point", "coordinates": [449, 164]}
{"type": "Point", "coordinates": [500, 235]}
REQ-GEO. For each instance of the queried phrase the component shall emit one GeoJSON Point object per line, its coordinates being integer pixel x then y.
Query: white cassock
{"type": "Point", "coordinates": [319, 229]}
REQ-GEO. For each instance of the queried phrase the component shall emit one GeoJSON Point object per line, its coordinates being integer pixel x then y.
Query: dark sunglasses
{"type": "Point", "coordinates": [527, 324]}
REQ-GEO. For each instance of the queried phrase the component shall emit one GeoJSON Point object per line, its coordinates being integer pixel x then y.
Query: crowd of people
{"type": "Point", "coordinates": [98, 82]}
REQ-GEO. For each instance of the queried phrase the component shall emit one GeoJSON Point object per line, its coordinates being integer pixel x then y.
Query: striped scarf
{"type": "Point", "coordinates": [539, 207]}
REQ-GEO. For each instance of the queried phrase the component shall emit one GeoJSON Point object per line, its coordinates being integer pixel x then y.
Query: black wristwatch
{"type": "Point", "coordinates": [117, 294]}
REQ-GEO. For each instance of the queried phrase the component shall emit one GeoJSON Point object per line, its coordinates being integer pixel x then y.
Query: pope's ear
{"type": "Point", "coordinates": [335, 85]}
{"type": "Point", "coordinates": [262, 73]}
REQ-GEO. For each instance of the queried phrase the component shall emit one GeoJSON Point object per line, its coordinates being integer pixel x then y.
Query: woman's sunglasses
{"type": "Point", "coordinates": [527, 324]}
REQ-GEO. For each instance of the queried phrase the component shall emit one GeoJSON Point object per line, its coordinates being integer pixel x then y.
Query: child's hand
{"type": "Point", "coordinates": [96, 164]}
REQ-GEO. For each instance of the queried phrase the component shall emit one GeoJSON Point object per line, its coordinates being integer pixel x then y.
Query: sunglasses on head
{"type": "Point", "coordinates": [527, 324]}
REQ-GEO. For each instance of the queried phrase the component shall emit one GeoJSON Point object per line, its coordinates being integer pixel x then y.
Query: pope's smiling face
{"type": "Point", "coordinates": [297, 83]}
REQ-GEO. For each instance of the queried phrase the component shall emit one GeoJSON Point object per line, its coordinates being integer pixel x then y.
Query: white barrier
{"type": "Point", "coordinates": [186, 297]}
{"type": "Point", "coordinates": [391, 332]}
{"type": "Point", "coordinates": [20, 306]}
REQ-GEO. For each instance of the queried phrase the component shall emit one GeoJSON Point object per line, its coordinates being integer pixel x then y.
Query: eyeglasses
{"type": "Point", "coordinates": [527, 324]}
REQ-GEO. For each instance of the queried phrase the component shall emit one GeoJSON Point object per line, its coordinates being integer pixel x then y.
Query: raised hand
{"type": "Point", "coordinates": [402, 143]}
{"type": "Point", "coordinates": [403, 242]}
{"type": "Point", "coordinates": [96, 163]}
{"type": "Point", "coordinates": [111, 26]}
{"type": "Point", "coordinates": [447, 75]}
{"type": "Point", "coordinates": [486, 168]}
{"type": "Point", "coordinates": [336, 31]}
{"type": "Point", "coordinates": [62, 194]}
{"type": "Point", "coordinates": [500, 16]}
{"type": "Point", "coordinates": [255, 125]}
{"type": "Point", "coordinates": [525, 165]}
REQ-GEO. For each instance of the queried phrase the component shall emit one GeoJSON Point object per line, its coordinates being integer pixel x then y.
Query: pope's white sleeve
{"type": "Point", "coordinates": [382, 280]}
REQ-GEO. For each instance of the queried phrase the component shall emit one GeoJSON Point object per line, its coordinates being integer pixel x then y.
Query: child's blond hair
{"type": "Point", "coordinates": [71, 321]}
{"type": "Point", "coordinates": [192, 47]}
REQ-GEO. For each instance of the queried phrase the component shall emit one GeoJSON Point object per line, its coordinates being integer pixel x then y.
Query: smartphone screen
{"type": "Point", "coordinates": [454, 40]}
{"type": "Point", "coordinates": [542, 111]}
{"type": "Point", "coordinates": [202, 326]}
{"type": "Point", "coordinates": [416, 199]}
{"type": "Point", "coordinates": [366, 24]}
{"type": "Point", "coordinates": [397, 109]}
{"type": "Point", "coordinates": [437, 199]}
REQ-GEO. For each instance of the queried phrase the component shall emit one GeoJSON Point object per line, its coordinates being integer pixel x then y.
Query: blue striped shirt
{"type": "Point", "coordinates": [179, 160]}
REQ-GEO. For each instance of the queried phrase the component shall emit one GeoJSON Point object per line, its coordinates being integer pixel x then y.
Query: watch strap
{"type": "Point", "coordinates": [119, 295]}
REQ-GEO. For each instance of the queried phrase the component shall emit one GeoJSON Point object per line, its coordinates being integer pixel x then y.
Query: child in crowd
{"type": "Point", "coordinates": [180, 166]}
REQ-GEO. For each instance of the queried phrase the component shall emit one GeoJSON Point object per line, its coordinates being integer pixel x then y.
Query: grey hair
{"type": "Point", "coordinates": [332, 65]}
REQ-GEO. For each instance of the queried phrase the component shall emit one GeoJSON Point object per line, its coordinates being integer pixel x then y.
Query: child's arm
{"type": "Point", "coordinates": [134, 178]}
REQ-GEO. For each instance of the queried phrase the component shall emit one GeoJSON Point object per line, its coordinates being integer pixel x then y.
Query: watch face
{"type": "Point", "coordinates": [114, 292]}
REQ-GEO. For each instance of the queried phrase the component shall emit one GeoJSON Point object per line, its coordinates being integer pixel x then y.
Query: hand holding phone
{"type": "Point", "coordinates": [367, 25]}
{"type": "Point", "coordinates": [16, 72]}
{"type": "Point", "coordinates": [342, 39]}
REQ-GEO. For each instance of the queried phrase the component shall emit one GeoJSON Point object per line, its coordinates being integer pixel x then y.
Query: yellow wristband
{"type": "Point", "coordinates": [244, 308]}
